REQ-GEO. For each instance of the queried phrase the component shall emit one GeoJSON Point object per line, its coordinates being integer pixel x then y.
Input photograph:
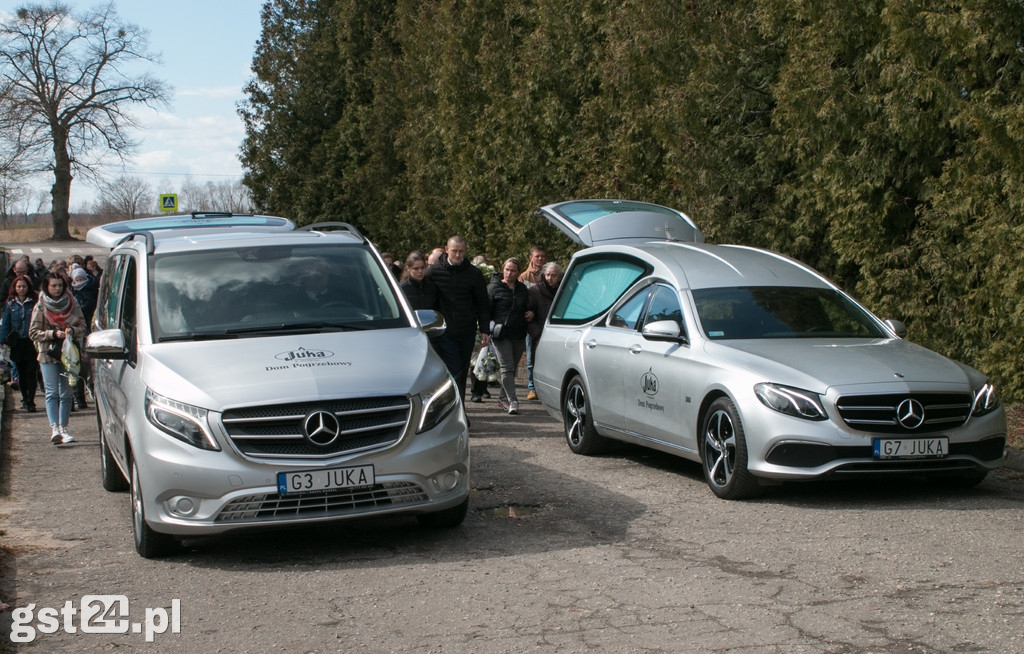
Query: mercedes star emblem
{"type": "Point", "coordinates": [321, 428]}
{"type": "Point", "coordinates": [910, 414]}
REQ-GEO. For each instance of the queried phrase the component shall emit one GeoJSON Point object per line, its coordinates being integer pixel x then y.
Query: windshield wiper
{"type": "Point", "coordinates": [291, 328]}
{"type": "Point", "coordinates": [309, 327]}
{"type": "Point", "coordinates": [196, 336]}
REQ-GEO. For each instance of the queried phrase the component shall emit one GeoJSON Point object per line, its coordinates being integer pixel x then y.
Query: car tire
{"type": "Point", "coordinates": [723, 453]}
{"type": "Point", "coordinates": [148, 543]}
{"type": "Point", "coordinates": [445, 518]}
{"type": "Point", "coordinates": [113, 478]}
{"type": "Point", "coordinates": [580, 433]}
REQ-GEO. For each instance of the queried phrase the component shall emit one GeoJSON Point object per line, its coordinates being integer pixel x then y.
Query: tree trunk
{"type": "Point", "coordinates": [60, 193]}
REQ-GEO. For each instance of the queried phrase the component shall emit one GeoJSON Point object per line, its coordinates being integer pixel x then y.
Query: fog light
{"type": "Point", "coordinates": [447, 482]}
{"type": "Point", "coordinates": [183, 506]}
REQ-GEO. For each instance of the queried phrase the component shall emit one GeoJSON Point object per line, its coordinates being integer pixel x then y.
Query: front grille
{"type": "Point", "coordinates": [877, 413]}
{"type": "Point", "coordinates": [274, 506]}
{"type": "Point", "coordinates": [276, 431]}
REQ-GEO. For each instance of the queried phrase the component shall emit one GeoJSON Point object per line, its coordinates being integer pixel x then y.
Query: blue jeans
{"type": "Point", "coordinates": [58, 394]}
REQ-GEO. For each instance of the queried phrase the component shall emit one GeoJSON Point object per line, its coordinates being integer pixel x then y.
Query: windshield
{"type": "Point", "coordinates": [259, 290]}
{"type": "Point", "coordinates": [782, 312]}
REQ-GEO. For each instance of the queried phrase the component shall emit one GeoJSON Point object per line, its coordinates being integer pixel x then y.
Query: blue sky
{"type": "Point", "coordinates": [206, 47]}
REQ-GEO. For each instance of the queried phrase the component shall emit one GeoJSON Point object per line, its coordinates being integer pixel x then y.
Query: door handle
{"type": "Point", "coordinates": [591, 344]}
{"type": "Point", "coordinates": [635, 349]}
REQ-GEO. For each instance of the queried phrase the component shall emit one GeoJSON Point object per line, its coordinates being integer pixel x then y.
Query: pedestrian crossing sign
{"type": "Point", "coordinates": [169, 202]}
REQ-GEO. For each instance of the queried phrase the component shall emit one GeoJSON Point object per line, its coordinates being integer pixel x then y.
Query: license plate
{"type": "Point", "coordinates": [315, 481]}
{"type": "Point", "coordinates": [911, 448]}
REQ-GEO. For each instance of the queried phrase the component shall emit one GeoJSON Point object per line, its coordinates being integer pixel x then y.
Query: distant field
{"type": "Point", "coordinates": [34, 234]}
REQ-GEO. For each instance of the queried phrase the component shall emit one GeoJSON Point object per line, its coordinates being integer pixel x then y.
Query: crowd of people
{"type": "Point", "coordinates": [43, 307]}
{"type": "Point", "coordinates": [501, 316]}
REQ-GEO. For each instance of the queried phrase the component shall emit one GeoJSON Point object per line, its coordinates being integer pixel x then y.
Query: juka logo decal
{"type": "Point", "coordinates": [304, 354]}
{"type": "Point", "coordinates": [649, 383]}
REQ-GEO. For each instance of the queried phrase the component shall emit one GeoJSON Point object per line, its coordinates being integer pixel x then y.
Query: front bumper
{"type": "Point", "coordinates": [191, 492]}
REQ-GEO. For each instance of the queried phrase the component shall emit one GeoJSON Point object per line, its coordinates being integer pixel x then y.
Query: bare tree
{"type": "Point", "coordinates": [12, 168]}
{"type": "Point", "coordinates": [69, 89]}
{"type": "Point", "coordinates": [124, 197]}
{"type": "Point", "coordinates": [229, 195]}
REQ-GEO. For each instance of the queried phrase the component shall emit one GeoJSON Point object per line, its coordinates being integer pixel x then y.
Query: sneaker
{"type": "Point", "coordinates": [475, 398]}
{"type": "Point", "coordinates": [57, 436]}
{"type": "Point", "coordinates": [532, 395]}
{"type": "Point", "coordinates": [65, 437]}
{"type": "Point", "coordinates": [487, 395]}
{"type": "Point", "coordinates": [513, 408]}
{"type": "Point", "coordinates": [502, 404]}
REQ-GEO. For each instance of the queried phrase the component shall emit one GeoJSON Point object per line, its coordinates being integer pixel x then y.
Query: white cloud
{"type": "Point", "coordinates": [217, 92]}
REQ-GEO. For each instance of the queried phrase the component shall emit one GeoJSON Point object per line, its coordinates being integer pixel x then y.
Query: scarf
{"type": "Point", "coordinates": [57, 311]}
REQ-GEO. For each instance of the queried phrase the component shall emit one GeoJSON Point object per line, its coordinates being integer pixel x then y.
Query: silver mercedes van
{"type": "Point", "coordinates": [248, 373]}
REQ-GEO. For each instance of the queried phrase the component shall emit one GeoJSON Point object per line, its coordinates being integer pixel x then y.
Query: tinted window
{"type": "Point", "coordinates": [628, 314]}
{"type": "Point", "coordinates": [592, 286]}
{"type": "Point", "coordinates": [782, 312]}
{"type": "Point", "coordinates": [224, 293]}
{"type": "Point", "coordinates": [109, 293]}
{"type": "Point", "coordinates": [128, 318]}
{"type": "Point", "coordinates": [665, 306]}
{"type": "Point", "coordinates": [587, 211]}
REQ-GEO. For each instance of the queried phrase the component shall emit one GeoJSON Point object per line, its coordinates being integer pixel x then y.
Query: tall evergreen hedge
{"type": "Point", "coordinates": [879, 141]}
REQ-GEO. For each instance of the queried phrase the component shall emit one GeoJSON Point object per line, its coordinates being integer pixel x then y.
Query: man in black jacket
{"type": "Point", "coordinates": [465, 306]}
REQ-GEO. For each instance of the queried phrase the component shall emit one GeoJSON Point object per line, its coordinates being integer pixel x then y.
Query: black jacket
{"type": "Point", "coordinates": [464, 301]}
{"type": "Point", "coordinates": [422, 294]}
{"type": "Point", "coordinates": [543, 295]}
{"type": "Point", "coordinates": [509, 306]}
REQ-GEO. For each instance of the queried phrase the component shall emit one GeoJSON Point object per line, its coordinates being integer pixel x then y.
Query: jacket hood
{"type": "Point", "coordinates": [292, 368]}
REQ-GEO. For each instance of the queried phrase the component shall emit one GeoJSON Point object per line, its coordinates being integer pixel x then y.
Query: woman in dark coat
{"type": "Point", "coordinates": [512, 309]}
{"type": "Point", "coordinates": [543, 294]}
{"type": "Point", "coordinates": [16, 319]}
{"type": "Point", "coordinates": [421, 292]}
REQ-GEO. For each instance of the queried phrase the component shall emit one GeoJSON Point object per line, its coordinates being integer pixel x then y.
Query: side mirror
{"type": "Point", "coordinates": [106, 344]}
{"type": "Point", "coordinates": [663, 330]}
{"type": "Point", "coordinates": [431, 322]}
{"type": "Point", "coordinates": [897, 328]}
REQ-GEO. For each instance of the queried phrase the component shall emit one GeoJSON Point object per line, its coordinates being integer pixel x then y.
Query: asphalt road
{"type": "Point", "coordinates": [628, 552]}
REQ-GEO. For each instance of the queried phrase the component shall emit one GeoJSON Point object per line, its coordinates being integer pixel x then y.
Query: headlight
{"type": "Point", "coordinates": [183, 421]}
{"type": "Point", "coordinates": [438, 404]}
{"type": "Point", "coordinates": [791, 401]}
{"type": "Point", "coordinates": [985, 400]}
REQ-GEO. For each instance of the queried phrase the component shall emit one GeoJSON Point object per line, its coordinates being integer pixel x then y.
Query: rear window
{"type": "Point", "coordinates": [592, 286]}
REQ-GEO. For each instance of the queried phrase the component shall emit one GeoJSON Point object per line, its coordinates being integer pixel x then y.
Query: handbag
{"type": "Point", "coordinates": [54, 349]}
{"type": "Point", "coordinates": [497, 330]}
{"type": "Point", "coordinates": [12, 340]}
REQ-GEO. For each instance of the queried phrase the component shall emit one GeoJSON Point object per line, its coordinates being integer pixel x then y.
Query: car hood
{"type": "Point", "coordinates": [819, 364]}
{"type": "Point", "coordinates": [292, 368]}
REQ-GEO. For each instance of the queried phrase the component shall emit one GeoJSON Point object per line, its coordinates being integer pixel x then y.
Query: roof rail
{"type": "Point", "coordinates": [150, 241]}
{"type": "Point", "coordinates": [319, 227]}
